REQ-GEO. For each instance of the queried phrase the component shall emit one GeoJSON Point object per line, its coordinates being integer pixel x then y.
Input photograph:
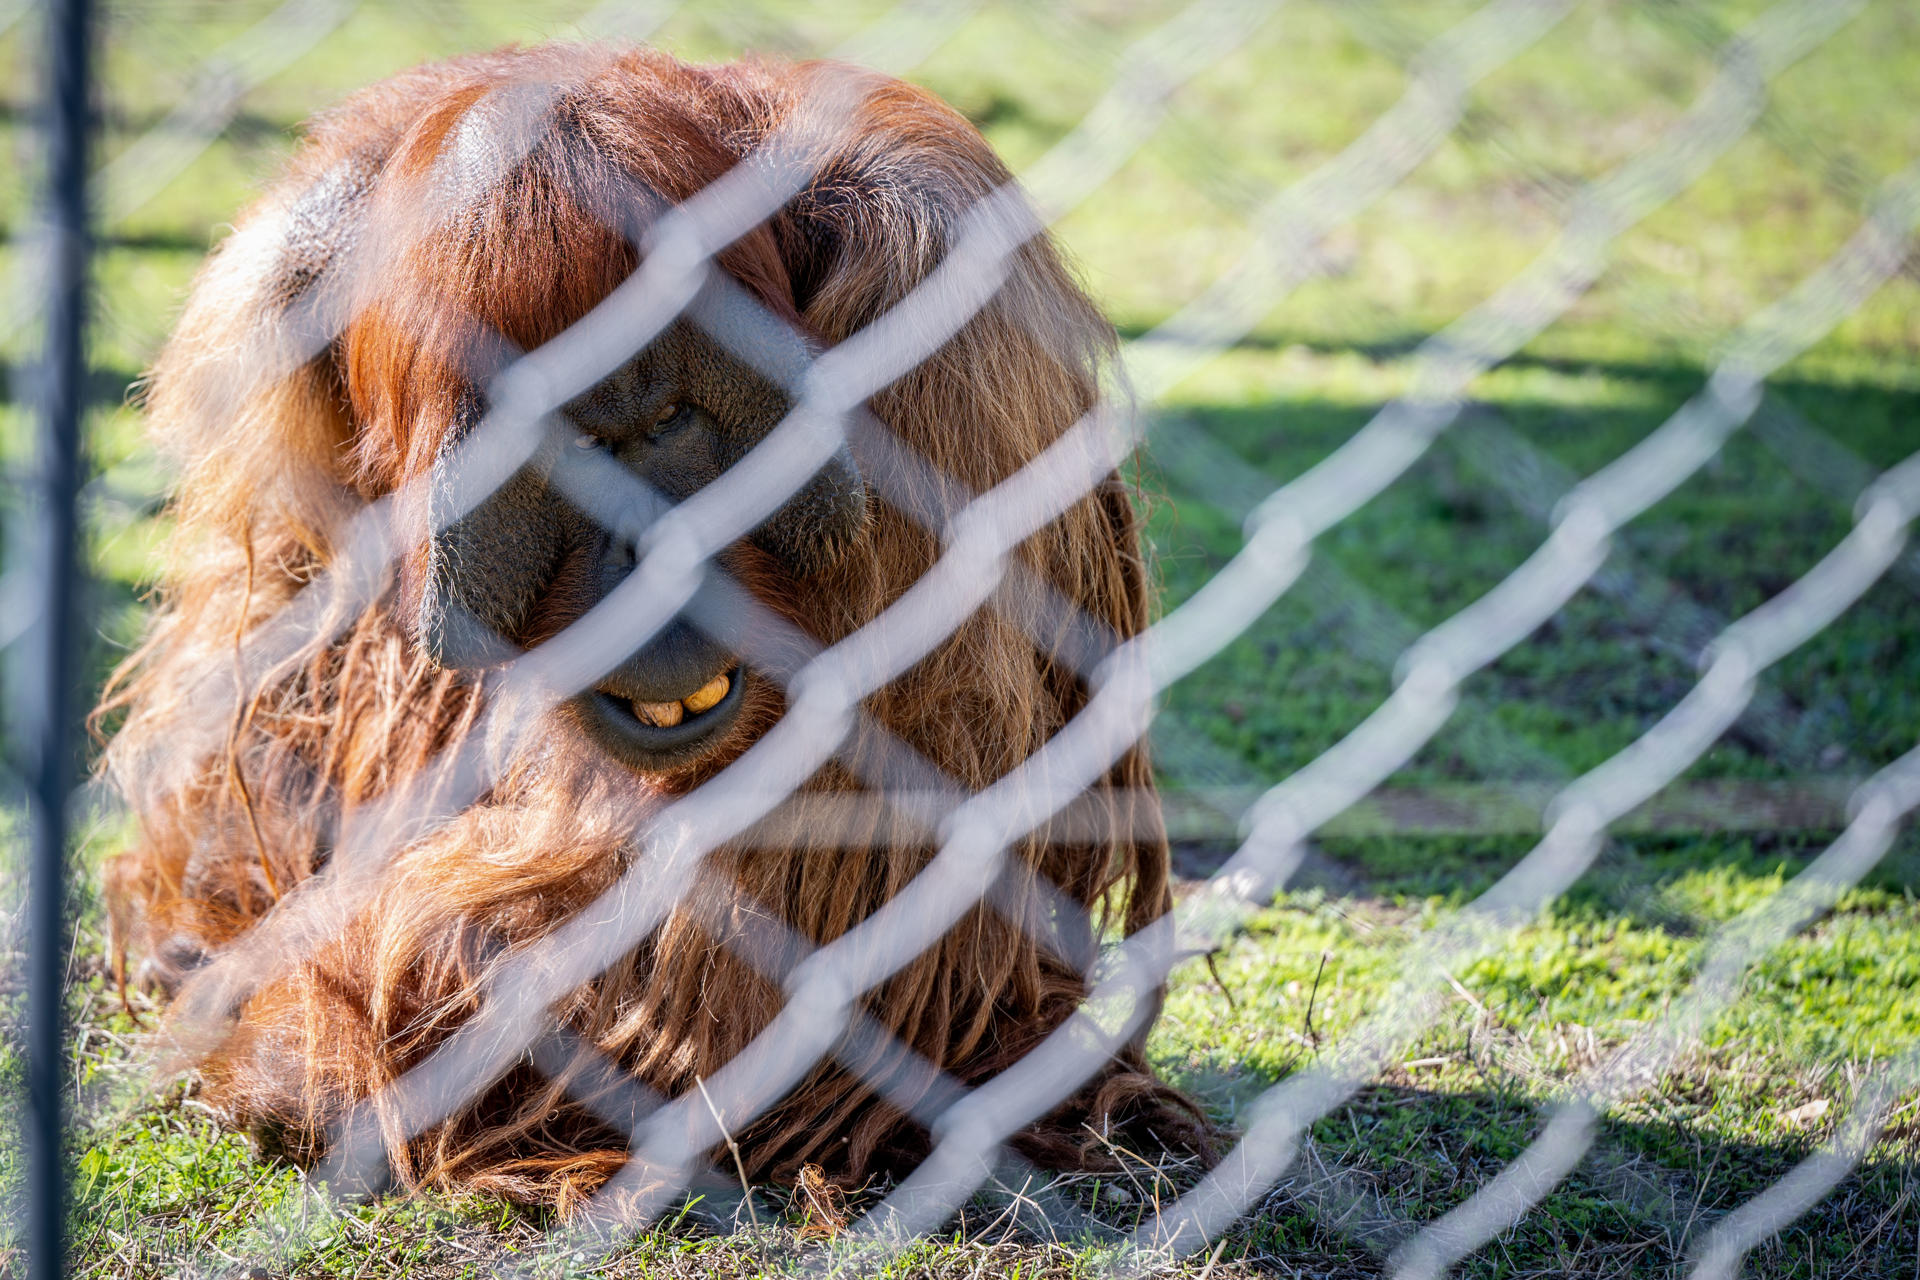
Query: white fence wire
{"type": "Point", "coordinates": [974, 835]}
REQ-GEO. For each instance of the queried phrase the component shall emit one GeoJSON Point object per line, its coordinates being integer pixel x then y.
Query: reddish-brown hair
{"type": "Point", "coordinates": [271, 473]}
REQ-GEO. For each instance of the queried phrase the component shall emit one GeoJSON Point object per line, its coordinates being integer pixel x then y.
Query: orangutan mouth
{"type": "Point", "coordinates": [651, 735]}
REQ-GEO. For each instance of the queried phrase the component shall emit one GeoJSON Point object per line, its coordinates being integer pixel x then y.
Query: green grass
{"type": "Point", "coordinates": [162, 1189]}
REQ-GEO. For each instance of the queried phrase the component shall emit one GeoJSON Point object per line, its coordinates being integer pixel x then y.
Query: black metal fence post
{"type": "Point", "coordinates": [51, 659]}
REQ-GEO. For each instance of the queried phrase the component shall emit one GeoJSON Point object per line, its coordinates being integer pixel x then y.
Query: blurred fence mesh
{"type": "Point", "coordinates": [1399, 275]}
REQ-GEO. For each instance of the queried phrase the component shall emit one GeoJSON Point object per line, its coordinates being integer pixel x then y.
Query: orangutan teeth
{"type": "Point", "coordinates": [665, 715]}
{"type": "Point", "coordinates": [662, 715]}
{"type": "Point", "coordinates": [708, 695]}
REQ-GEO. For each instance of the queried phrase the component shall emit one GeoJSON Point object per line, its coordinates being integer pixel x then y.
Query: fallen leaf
{"type": "Point", "coordinates": [1806, 1112]}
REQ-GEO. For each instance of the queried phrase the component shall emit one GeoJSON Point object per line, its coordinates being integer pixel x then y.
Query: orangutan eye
{"type": "Point", "coordinates": [669, 417]}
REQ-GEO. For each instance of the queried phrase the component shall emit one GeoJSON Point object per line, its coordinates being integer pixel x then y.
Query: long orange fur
{"type": "Point", "coordinates": [232, 835]}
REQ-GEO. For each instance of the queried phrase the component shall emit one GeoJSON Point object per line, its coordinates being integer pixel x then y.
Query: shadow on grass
{"type": "Point", "coordinates": [1645, 1195]}
{"type": "Point", "coordinates": [1459, 867]}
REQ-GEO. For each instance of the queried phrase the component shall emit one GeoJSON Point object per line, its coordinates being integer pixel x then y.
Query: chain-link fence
{"type": "Point", "coordinates": [825, 756]}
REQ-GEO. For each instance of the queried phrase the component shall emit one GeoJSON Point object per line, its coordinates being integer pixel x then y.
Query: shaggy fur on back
{"type": "Point", "coordinates": [254, 777]}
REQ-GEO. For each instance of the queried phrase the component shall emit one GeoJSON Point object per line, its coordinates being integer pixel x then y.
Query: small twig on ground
{"type": "Point", "coordinates": [1213, 971]}
{"type": "Point", "coordinates": [1467, 995]}
{"type": "Point", "coordinates": [1141, 1195]}
{"type": "Point", "coordinates": [739, 1166]}
{"type": "Point", "coordinates": [1313, 1037]}
{"type": "Point", "coordinates": [1010, 1213]}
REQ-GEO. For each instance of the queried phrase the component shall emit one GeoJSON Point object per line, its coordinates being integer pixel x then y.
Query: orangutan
{"type": "Point", "coordinates": [336, 351]}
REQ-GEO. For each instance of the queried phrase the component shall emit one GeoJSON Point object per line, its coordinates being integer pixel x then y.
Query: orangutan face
{"type": "Point", "coordinates": [556, 540]}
